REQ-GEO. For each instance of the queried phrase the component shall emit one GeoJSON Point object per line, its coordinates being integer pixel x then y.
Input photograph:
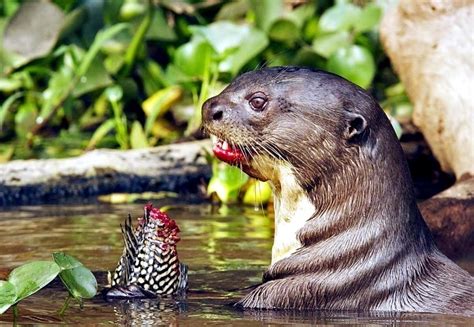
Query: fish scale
{"type": "Point", "coordinates": [150, 259]}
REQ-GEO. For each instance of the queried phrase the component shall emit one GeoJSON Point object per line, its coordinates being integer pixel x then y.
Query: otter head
{"type": "Point", "coordinates": [309, 133]}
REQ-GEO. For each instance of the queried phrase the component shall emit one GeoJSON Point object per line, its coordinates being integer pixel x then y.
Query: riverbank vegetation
{"type": "Point", "coordinates": [76, 75]}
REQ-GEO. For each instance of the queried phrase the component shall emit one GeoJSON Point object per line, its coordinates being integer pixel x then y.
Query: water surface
{"type": "Point", "coordinates": [226, 251]}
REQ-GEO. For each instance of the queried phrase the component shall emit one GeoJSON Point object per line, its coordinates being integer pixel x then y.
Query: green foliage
{"type": "Point", "coordinates": [226, 182]}
{"type": "Point", "coordinates": [33, 276]}
{"type": "Point", "coordinates": [148, 51]}
{"type": "Point", "coordinates": [122, 73]}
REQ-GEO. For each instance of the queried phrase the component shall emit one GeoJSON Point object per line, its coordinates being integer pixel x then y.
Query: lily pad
{"type": "Point", "coordinates": [31, 277]}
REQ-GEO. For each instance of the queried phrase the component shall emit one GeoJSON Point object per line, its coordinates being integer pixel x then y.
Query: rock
{"type": "Point", "coordinates": [450, 217]}
{"type": "Point", "coordinates": [430, 44]}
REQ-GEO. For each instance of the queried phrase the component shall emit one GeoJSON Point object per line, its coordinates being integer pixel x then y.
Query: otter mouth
{"type": "Point", "coordinates": [227, 152]}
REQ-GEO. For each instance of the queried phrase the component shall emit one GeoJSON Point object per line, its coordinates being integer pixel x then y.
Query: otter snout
{"type": "Point", "coordinates": [212, 111]}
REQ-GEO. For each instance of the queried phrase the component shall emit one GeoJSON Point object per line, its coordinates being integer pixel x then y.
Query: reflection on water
{"type": "Point", "coordinates": [226, 251]}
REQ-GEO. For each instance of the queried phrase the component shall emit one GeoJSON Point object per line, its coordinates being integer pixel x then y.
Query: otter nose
{"type": "Point", "coordinates": [212, 110]}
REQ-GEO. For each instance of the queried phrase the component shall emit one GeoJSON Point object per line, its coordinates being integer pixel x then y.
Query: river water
{"type": "Point", "coordinates": [226, 250]}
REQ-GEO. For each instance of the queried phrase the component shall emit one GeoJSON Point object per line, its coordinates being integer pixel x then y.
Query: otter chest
{"type": "Point", "coordinates": [293, 208]}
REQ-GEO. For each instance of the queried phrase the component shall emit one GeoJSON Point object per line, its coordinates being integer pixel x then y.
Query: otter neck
{"type": "Point", "coordinates": [346, 224]}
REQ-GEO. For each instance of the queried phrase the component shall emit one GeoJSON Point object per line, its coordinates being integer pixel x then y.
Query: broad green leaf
{"type": "Point", "coordinates": [368, 18]}
{"type": "Point", "coordinates": [160, 30]}
{"type": "Point", "coordinates": [236, 44]}
{"type": "Point", "coordinates": [233, 10]}
{"type": "Point", "coordinates": [339, 18]}
{"type": "Point", "coordinates": [301, 14]}
{"type": "Point", "coordinates": [138, 139]}
{"type": "Point", "coordinates": [101, 132]}
{"type": "Point", "coordinates": [284, 30]}
{"type": "Point", "coordinates": [326, 45]}
{"type": "Point", "coordinates": [33, 276]}
{"type": "Point", "coordinates": [354, 63]}
{"type": "Point", "coordinates": [95, 78]}
{"type": "Point", "coordinates": [266, 12]}
{"type": "Point", "coordinates": [257, 193]}
{"type": "Point", "coordinates": [191, 57]}
{"type": "Point", "coordinates": [65, 261]}
{"type": "Point", "coordinates": [7, 295]}
{"type": "Point", "coordinates": [80, 282]}
{"type": "Point", "coordinates": [226, 182]}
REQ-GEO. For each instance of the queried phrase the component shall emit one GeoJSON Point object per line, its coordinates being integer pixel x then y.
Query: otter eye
{"type": "Point", "coordinates": [258, 102]}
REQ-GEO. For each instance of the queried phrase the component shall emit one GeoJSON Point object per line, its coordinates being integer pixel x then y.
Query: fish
{"type": "Point", "coordinates": [149, 266]}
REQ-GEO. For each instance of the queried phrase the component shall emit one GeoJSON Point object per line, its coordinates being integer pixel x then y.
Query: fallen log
{"type": "Point", "coordinates": [179, 168]}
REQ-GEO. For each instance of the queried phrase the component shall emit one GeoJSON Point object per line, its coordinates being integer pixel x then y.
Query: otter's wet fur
{"type": "Point", "coordinates": [349, 235]}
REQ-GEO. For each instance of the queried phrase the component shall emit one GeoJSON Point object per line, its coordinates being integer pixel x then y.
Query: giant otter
{"type": "Point", "coordinates": [348, 233]}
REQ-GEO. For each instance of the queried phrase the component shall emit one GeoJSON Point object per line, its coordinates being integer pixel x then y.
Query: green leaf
{"type": "Point", "coordinates": [326, 45]}
{"type": "Point", "coordinates": [191, 57]}
{"type": "Point", "coordinates": [8, 85]}
{"type": "Point", "coordinates": [25, 118]}
{"type": "Point", "coordinates": [6, 107]}
{"type": "Point", "coordinates": [339, 18]}
{"type": "Point", "coordinates": [226, 182]}
{"type": "Point", "coordinates": [101, 132]}
{"type": "Point", "coordinates": [266, 12]}
{"type": "Point", "coordinates": [58, 89]}
{"type": "Point", "coordinates": [138, 139]}
{"type": "Point", "coordinates": [79, 280]}
{"type": "Point", "coordinates": [284, 30]}
{"type": "Point", "coordinates": [65, 261]}
{"type": "Point", "coordinates": [95, 78]}
{"type": "Point", "coordinates": [236, 44]}
{"type": "Point", "coordinates": [354, 63]}
{"type": "Point", "coordinates": [368, 18]}
{"type": "Point", "coordinates": [101, 37]}
{"type": "Point", "coordinates": [258, 193]}
{"type": "Point", "coordinates": [7, 295]}
{"type": "Point", "coordinates": [33, 276]}
{"type": "Point", "coordinates": [160, 30]}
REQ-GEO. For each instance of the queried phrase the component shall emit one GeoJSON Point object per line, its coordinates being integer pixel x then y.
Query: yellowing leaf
{"type": "Point", "coordinates": [258, 193]}
{"type": "Point", "coordinates": [159, 103]}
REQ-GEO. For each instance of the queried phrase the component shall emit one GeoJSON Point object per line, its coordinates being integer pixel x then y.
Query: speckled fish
{"type": "Point", "coordinates": [149, 265]}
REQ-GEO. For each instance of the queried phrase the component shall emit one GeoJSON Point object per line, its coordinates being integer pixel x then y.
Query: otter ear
{"type": "Point", "coordinates": [355, 126]}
